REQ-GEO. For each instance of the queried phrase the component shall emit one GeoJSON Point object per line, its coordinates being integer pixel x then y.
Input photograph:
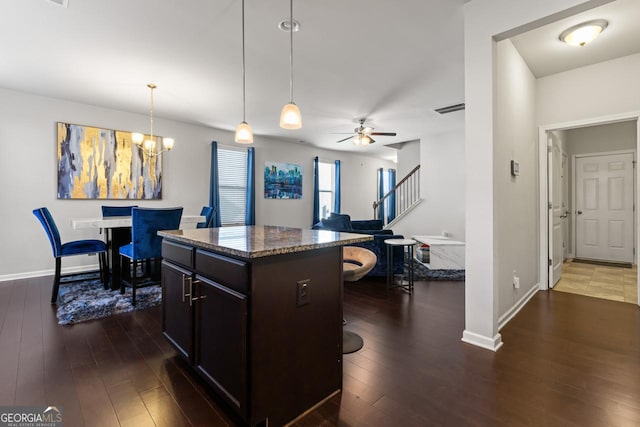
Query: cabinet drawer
{"type": "Point", "coordinates": [224, 270]}
{"type": "Point", "coordinates": [177, 253]}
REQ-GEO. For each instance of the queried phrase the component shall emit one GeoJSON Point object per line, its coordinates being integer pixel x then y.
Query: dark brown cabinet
{"type": "Point", "coordinates": [177, 316]}
{"type": "Point", "coordinates": [247, 331]}
{"type": "Point", "coordinates": [221, 340]}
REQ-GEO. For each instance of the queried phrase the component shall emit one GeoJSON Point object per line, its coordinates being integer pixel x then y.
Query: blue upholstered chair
{"type": "Point", "coordinates": [77, 247]}
{"type": "Point", "coordinates": [108, 211]}
{"type": "Point", "coordinates": [145, 242]}
{"type": "Point", "coordinates": [207, 213]}
{"type": "Point", "coordinates": [111, 211]}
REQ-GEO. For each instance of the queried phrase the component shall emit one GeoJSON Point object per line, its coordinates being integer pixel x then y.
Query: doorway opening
{"type": "Point", "coordinates": [588, 193]}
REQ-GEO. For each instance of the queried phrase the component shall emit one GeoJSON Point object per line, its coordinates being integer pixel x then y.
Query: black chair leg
{"type": "Point", "coordinates": [56, 281]}
{"type": "Point", "coordinates": [133, 283]}
{"type": "Point", "coordinates": [122, 272]}
{"type": "Point", "coordinates": [102, 259]}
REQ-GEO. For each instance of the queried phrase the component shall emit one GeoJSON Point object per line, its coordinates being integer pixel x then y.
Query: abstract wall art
{"type": "Point", "coordinates": [96, 163]}
{"type": "Point", "coordinates": [282, 181]}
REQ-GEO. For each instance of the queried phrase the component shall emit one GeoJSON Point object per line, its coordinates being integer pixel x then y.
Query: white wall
{"type": "Point", "coordinates": [484, 20]}
{"type": "Point", "coordinates": [596, 139]}
{"type": "Point", "coordinates": [516, 198]}
{"type": "Point", "coordinates": [359, 183]}
{"type": "Point", "coordinates": [442, 187]}
{"type": "Point", "coordinates": [28, 172]}
{"type": "Point", "coordinates": [408, 156]}
{"type": "Point", "coordinates": [599, 90]}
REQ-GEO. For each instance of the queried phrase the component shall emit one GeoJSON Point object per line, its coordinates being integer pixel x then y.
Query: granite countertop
{"type": "Point", "coordinates": [261, 240]}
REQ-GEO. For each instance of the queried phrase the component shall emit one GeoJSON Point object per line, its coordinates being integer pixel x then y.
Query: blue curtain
{"type": "Point", "coordinates": [336, 191]}
{"type": "Point", "coordinates": [381, 193]}
{"type": "Point", "coordinates": [391, 214]}
{"type": "Point", "coordinates": [316, 192]}
{"type": "Point", "coordinates": [214, 189]}
{"type": "Point", "coordinates": [250, 215]}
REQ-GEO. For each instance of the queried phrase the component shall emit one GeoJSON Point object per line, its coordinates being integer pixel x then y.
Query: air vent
{"type": "Point", "coordinates": [450, 108]}
{"type": "Point", "coordinates": [63, 3]}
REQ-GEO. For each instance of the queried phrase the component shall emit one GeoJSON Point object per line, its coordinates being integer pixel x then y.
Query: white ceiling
{"type": "Point", "coordinates": [545, 54]}
{"type": "Point", "coordinates": [392, 62]}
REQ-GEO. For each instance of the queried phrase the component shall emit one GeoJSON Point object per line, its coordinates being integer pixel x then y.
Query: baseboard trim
{"type": "Point", "coordinates": [505, 318]}
{"type": "Point", "coordinates": [482, 341]}
{"type": "Point", "coordinates": [40, 273]}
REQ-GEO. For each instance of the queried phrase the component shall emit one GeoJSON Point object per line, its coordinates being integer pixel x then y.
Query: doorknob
{"type": "Point", "coordinates": [579, 212]}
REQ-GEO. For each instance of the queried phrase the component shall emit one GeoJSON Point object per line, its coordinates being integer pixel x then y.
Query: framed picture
{"type": "Point", "coordinates": [282, 181]}
{"type": "Point", "coordinates": [96, 163]}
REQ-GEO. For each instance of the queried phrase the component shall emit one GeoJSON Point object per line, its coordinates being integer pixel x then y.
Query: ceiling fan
{"type": "Point", "coordinates": [362, 134]}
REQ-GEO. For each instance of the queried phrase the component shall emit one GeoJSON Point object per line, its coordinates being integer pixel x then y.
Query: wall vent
{"type": "Point", "coordinates": [450, 108]}
{"type": "Point", "coordinates": [63, 3]}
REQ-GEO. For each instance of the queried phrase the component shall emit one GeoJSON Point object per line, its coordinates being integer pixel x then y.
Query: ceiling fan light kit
{"type": "Point", "coordinates": [362, 134]}
{"type": "Point", "coordinates": [584, 33]}
{"type": "Point", "coordinates": [244, 134]}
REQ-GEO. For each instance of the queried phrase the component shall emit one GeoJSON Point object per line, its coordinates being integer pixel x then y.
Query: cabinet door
{"type": "Point", "coordinates": [177, 314]}
{"type": "Point", "coordinates": [221, 340]}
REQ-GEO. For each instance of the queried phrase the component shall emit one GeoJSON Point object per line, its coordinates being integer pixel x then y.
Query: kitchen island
{"type": "Point", "coordinates": [257, 312]}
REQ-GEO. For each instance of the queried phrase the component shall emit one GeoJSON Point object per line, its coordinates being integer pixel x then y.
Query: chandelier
{"type": "Point", "coordinates": [149, 145]}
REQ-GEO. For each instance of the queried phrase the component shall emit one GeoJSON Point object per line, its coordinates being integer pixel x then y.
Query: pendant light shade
{"type": "Point", "coordinates": [290, 117]}
{"type": "Point", "coordinates": [244, 134]}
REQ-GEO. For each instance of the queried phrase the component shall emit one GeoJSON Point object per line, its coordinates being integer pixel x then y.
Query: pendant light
{"type": "Point", "coordinates": [149, 145]}
{"type": "Point", "coordinates": [290, 117]}
{"type": "Point", "coordinates": [244, 134]}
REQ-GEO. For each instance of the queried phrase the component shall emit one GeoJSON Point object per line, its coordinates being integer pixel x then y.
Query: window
{"type": "Point", "coordinates": [232, 182]}
{"type": "Point", "coordinates": [326, 188]}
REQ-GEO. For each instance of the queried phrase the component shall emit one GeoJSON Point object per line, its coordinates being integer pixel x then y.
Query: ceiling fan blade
{"type": "Point", "coordinates": [383, 133]}
{"type": "Point", "coordinates": [346, 139]}
{"type": "Point", "coordinates": [371, 140]}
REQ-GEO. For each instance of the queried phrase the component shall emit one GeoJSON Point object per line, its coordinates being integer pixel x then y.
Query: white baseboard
{"type": "Point", "coordinates": [505, 318]}
{"type": "Point", "coordinates": [29, 274]}
{"type": "Point", "coordinates": [478, 340]}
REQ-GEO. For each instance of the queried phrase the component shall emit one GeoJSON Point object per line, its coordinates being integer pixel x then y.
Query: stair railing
{"type": "Point", "coordinates": [407, 194]}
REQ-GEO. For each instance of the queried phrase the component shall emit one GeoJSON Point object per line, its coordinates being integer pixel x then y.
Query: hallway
{"type": "Point", "coordinates": [612, 283]}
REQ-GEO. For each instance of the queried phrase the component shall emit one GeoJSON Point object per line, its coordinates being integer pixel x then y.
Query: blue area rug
{"type": "Point", "coordinates": [87, 300]}
{"type": "Point", "coordinates": [420, 272]}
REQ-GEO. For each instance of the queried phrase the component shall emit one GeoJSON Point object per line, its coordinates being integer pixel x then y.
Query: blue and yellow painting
{"type": "Point", "coordinates": [96, 163]}
{"type": "Point", "coordinates": [282, 181]}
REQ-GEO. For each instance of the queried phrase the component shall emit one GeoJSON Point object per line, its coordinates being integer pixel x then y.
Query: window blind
{"type": "Point", "coordinates": [232, 181]}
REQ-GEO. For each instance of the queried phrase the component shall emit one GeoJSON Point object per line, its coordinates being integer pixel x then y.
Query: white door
{"type": "Point", "coordinates": [555, 213]}
{"type": "Point", "coordinates": [565, 207]}
{"type": "Point", "coordinates": [604, 207]}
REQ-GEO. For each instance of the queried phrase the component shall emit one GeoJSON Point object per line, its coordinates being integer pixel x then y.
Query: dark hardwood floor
{"type": "Point", "coordinates": [568, 360]}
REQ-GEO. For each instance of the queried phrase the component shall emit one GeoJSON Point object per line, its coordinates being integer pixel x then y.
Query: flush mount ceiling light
{"type": "Point", "coordinates": [244, 134]}
{"type": "Point", "coordinates": [582, 34]}
{"type": "Point", "coordinates": [290, 117]}
{"type": "Point", "coordinates": [149, 145]}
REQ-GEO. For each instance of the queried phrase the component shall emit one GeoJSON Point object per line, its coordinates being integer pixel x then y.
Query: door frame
{"type": "Point", "coordinates": [543, 198]}
{"type": "Point", "coordinates": [574, 228]}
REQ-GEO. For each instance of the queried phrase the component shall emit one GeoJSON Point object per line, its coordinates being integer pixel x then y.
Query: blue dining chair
{"type": "Point", "coordinates": [77, 247]}
{"type": "Point", "coordinates": [145, 242]}
{"type": "Point", "coordinates": [108, 211]}
{"type": "Point", "coordinates": [207, 213]}
{"type": "Point", "coordinates": [111, 211]}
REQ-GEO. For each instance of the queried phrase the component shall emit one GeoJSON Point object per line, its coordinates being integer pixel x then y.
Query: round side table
{"type": "Point", "coordinates": [406, 285]}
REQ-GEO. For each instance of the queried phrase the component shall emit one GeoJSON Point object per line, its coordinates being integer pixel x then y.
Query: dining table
{"type": "Point", "coordinates": [120, 235]}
